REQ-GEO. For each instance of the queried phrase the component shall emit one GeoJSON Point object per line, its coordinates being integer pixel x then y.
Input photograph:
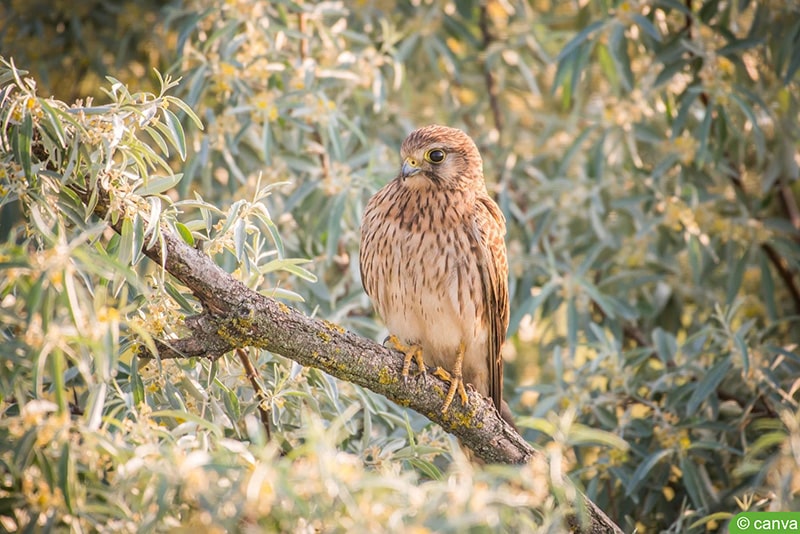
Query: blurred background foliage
{"type": "Point", "coordinates": [645, 154]}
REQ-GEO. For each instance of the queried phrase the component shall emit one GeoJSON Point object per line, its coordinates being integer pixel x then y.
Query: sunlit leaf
{"type": "Point", "coordinates": [648, 27]}
{"type": "Point", "coordinates": [188, 416]}
{"type": "Point", "coordinates": [23, 146]}
{"type": "Point", "coordinates": [578, 40]}
{"type": "Point", "coordinates": [177, 136]}
{"type": "Point", "coordinates": [618, 47]}
{"type": "Point", "coordinates": [158, 184]}
{"type": "Point", "coordinates": [185, 233]}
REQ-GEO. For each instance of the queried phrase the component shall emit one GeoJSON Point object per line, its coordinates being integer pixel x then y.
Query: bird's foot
{"type": "Point", "coordinates": [456, 386]}
{"type": "Point", "coordinates": [410, 352]}
{"type": "Point", "coordinates": [455, 379]}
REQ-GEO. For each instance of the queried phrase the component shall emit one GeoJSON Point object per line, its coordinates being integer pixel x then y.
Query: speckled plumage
{"type": "Point", "coordinates": [433, 258]}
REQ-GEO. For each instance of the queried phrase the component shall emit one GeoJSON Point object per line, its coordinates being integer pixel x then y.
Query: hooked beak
{"type": "Point", "coordinates": [409, 168]}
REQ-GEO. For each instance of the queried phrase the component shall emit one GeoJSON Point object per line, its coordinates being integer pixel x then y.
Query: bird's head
{"type": "Point", "coordinates": [441, 157]}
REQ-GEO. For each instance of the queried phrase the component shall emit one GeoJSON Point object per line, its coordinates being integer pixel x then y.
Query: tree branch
{"type": "Point", "coordinates": [783, 268]}
{"type": "Point", "coordinates": [234, 316]}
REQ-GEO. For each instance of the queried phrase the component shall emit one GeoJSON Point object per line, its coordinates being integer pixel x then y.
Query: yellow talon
{"type": "Point", "coordinates": [410, 352]}
{"type": "Point", "coordinates": [456, 380]}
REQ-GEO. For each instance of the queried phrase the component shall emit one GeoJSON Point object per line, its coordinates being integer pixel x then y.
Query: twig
{"type": "Point", "coordinates": [689, 27]}
{"type": "Point", "coordinates": [324, 160]}
{"type": "Point", "coordinates": [777, 261]}
{"type": "Point", "coordinates": [264, 409]}
{"type": "Point", "coordinates": [789, 204]}
{"type": "Point", "coordinates": [750, 404]}
{"type": "Point", "coordinates": [689, 21]}
{"type": "Point", "coordinates": [629, 330]}
{"type": "Point", "coordinates": [784, 272]}
{"type": "Point", "coordinates": [491, 84]}
{"type": "Point", "coordinates": [301, 27]}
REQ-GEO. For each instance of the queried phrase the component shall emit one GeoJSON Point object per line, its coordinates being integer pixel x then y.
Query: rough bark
{"type": "Point", "coordinates": [234, 316]}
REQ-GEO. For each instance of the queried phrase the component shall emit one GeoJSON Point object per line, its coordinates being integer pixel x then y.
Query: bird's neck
{"type": "Point", "coordinates": [422, 208]}
{"type": "Point", "coordinates": [419, 186]}
{"type": "Point", "coordinates": [435, 194]}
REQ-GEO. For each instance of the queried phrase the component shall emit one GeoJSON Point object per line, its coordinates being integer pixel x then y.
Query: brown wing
{"type": "Point", "coordinates": [489, 229]}
{"type": "Point", "coordinates": [370, 247]}
{"type": "Point", "coordinates": [365, 249]}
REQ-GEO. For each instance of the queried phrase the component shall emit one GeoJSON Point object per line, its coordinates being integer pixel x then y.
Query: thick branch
{"type": "Point", "coordinates": [235, 316]}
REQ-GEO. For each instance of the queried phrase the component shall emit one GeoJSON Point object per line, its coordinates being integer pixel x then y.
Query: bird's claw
{"type": "Point", "coordinates": [456, 386]}
{"type": "Point", "coordinates": [410, 352]}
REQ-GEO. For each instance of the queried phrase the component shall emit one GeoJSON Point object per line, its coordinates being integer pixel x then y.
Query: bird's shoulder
{"type": "Point", "coordinates": [489, 216]}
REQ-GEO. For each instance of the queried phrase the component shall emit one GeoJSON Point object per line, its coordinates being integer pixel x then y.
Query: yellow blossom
{"type": "Point", "coordinates": [725, 65]}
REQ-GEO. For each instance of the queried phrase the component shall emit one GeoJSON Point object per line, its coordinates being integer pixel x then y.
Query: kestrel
{"type": "Point", "coordinates": [433, 261]}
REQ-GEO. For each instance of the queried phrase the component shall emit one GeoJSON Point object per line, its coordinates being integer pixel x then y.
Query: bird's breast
{"type": "Point", "coordinates": [424, 277]}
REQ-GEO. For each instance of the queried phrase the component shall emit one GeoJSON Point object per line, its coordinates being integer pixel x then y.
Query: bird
{"type": "Point", "coordinates": [433, 262]}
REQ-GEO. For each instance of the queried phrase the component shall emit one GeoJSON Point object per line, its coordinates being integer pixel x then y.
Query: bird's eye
{"type": "Point", "coordinates": [435, 156]}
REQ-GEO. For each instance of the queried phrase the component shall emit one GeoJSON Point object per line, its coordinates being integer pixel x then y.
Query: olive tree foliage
{"type": "Point", "coordinates": [645, 155]}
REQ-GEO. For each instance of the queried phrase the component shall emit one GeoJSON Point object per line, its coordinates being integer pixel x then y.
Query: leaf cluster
{"type": "Point", "coordinates": [644, 154]}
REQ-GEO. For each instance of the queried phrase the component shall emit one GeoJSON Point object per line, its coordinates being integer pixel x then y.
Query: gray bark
{"type": "Point", "coordinates": [235, 316]}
